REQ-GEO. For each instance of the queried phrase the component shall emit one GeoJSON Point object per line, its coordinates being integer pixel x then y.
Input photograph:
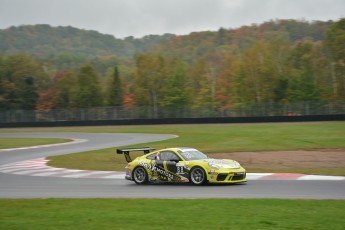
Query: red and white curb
{"type": "Point", "coordinates": [38, 167]}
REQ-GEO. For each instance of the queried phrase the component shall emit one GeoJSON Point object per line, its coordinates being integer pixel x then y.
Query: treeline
{"type": "Point", "coordinates": [269, 63]}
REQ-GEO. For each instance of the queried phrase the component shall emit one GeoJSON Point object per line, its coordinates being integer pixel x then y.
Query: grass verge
{"type": "Point", "coordinates": [225, 138]}
{"type": "Point", "coordinates": [216, 138]}
{"type": "Point", "coordinates": [171, 214]}
{"type": "Point", "coordinates": [6, 143]}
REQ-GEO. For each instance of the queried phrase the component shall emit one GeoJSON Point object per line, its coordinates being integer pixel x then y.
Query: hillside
{"type": "Point", "coordinates": [207, 43]}
{"type": "Point", "coordinates": [45, 41]}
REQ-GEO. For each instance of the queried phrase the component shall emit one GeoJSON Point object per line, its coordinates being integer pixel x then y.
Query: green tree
{"type": "Point", "coordinates": [202, 84]}
{"type": "Point", "coordinates": [334, 44]}
{"type": "Point", "coordinates": [27, 93]}
{"type": "Point", "coordinates": [259, 72]}
{"type": "Point", "coordinates": [281, 90]}
{"type": "Point", "coordinates": [114, 91]}
{"type": "Point", "coordinates": [148, 81]}
{"type": "Point", "coordinates": [21, 77]}
{"type": "Point", "coordinates": [280, 50]}
{"type": "Point", "coordinates": [65, 90]}
{"type": "Point", "coordinates": [89, 92]}
{"type": "Point", "coordinates": [175, 94]}
{"type": "Point", "coordinates": [8, 95]}
{"type": "Point", "coordinates": [241, 92]}
{"type": "Point", "coordinates": [303, 83]}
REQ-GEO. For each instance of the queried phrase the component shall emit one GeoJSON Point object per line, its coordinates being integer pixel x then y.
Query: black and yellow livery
{"type": "Point", "coordinates": [180, 165]}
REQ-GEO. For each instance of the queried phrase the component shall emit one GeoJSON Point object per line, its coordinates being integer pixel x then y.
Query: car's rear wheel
{"type": "Point", "coordinates": [140, 175]}
{"type": "Point", "coordinates": [198, 176]}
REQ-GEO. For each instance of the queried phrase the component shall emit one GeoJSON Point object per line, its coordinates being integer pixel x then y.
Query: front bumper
{"type": "Point", "coordinates": [227, 177]}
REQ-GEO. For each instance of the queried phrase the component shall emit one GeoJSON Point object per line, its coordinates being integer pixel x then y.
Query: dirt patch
{"type": "Point", "coordinates": [288, 159]}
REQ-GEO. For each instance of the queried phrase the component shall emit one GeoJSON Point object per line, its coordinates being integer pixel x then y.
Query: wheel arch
{"type": "Point", "coordinates": [205, 170]}
{"type": "Point", "coordinates": [147, 173]}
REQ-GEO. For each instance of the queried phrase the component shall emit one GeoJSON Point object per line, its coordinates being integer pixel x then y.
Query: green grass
{"type": "Point", "coordinates": [232, 137]}
{"type": "Point", "coordinates": [217, 138]}
{"type": "Point", "coordinates": [171, 214]}
{"type": "Point", "coordinates": [225, 138]}
{"type": "Point", "coordinates": [6, 143]}
{"type": "Point", "coordinates": [247, 137]}
{"type": "Point", "coordinates": [186, 214]}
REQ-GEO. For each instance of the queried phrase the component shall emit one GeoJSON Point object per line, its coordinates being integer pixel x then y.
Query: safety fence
{"type": "Point", "coordinates": [160, 112]}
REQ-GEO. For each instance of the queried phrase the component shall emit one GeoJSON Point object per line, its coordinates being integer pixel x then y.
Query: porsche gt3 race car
{"type": "Point", "coordinates": [180, 165]}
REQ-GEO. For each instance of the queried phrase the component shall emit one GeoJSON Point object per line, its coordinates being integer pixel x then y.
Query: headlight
{"type": "Point", "coordinates": [213, 166]}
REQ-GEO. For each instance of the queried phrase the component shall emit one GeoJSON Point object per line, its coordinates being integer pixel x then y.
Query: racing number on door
{"type": "Point", "coordinates": [179, 169]}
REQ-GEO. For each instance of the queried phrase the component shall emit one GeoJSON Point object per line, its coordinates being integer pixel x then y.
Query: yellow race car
{"type": "Point", "coordinates": [180, 165]}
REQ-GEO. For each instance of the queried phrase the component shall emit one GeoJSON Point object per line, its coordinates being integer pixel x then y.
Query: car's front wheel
{"type": "Point", "coordinates": [198, 176]}
{"type": "Point", "coordinates": [140, 175]}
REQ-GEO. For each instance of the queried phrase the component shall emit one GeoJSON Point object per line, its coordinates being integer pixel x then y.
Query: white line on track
{"type": "Point", "coordinates": [74, 141]}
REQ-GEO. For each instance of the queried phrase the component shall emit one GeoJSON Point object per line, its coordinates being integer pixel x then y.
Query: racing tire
{"type": "Point", "coordinates": [140, 175]}
{"type": "Point", "coordinates": [198, 176]}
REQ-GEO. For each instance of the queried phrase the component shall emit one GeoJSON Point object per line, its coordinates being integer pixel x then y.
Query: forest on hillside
{"type": "Point", "coordinates": [280, 62]}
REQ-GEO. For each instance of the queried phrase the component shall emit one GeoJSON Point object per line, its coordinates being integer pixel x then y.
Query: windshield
{"type": "Point", "coordinates": [192, 154]}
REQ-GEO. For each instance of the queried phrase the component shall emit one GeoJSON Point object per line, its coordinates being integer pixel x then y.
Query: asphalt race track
{"type": "Point", "coordinates": [26, 186]}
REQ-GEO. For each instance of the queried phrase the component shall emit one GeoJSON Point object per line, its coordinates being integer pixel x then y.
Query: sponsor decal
{"type": "Point", "coordinates": [158, 170]}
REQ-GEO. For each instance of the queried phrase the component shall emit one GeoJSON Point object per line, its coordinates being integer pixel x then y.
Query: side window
{"type": "Point", "coordinates": [169, 156]}
{"type": "Point", "coordinates": [151, 157]}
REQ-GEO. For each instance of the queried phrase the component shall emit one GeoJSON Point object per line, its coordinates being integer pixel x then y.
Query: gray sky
{"type": "Point", "coordinates": [137, 18]}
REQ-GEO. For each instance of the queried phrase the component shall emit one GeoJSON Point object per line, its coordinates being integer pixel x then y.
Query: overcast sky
{"type": "Point", "coordinates": [137, 18]}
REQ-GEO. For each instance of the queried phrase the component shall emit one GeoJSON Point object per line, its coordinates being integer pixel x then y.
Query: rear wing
{"type": "Point", "coordinates": [126, 152]}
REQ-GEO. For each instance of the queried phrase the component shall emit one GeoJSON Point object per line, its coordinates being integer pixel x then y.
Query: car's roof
{"type": "Point", "coordinates": [177, 148]}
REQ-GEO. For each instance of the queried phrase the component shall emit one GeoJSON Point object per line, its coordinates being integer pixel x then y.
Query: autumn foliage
{"type": "Point", "coordinates": [282, 61]}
